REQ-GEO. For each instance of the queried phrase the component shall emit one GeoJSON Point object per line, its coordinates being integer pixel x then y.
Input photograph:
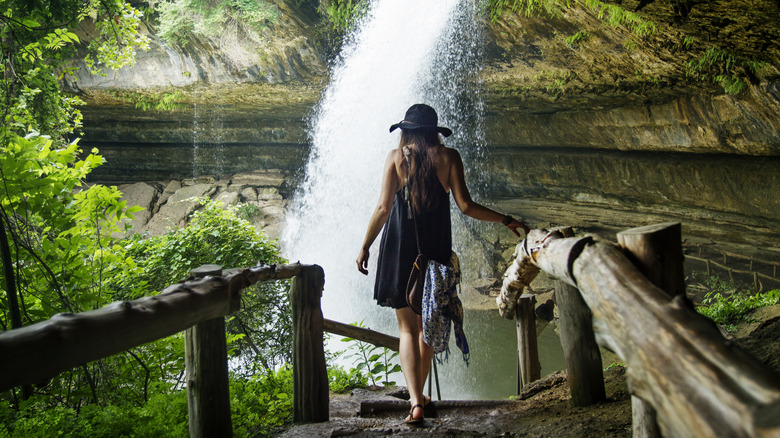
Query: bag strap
{"type": "Point", "coordinates": [410, 210]}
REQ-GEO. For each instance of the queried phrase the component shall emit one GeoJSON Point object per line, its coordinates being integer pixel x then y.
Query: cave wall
{"type": "Point", "coordinates": [600, 128]}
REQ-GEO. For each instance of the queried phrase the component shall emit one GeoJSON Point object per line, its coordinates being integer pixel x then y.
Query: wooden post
{"type": "Point", "coordinates": [529, 368]}
{"type": "Point", "coordinates": [310, 377]}
{"type": "Point", "coordinates": [656, 250]}
{"type": "Point", "coordinates": [700, 384]}
{"type": "Point", "coordinates": [205, 355]}
{"type": "Point", "coordinates": [582, 354]}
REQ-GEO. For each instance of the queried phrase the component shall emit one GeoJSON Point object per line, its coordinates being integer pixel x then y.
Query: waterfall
{"type": "Point", "coordinates": [404, 52]}
{"type": "Point", "coordinates": [208, 143]}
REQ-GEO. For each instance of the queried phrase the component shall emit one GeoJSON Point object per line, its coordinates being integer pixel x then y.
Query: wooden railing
{"type": "Point", "coordinates": [684, 377]}
{"type": "Point", "coordinates": [36, 353]}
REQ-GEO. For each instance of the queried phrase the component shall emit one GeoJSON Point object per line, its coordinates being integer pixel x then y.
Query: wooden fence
{"type": "Point", "coordinates": [684, 377]}
{"type": "Point", "coordinates": [36, 353]}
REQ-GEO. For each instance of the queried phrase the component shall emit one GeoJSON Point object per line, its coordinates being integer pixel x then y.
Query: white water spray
{"type": "Point", "coordinates": [405, 52]}
{"type": "Point", "coordinates": [401, 55]}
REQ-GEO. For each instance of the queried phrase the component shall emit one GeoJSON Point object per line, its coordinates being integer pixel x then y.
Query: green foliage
{"type": "Point", "coordinates": [724, 68]}
{"type": "Point", "coordinates": [528, 8]}
{"type": "Point", "coordinates": [716, 65]}
{"type": "Point", "coordinates": [38, 106]}
{"type": "Point", "coordinates": [258, 404]}
{"type": "Point", "coordinates": [555, 82]}
{"type": "Point", "coordinates": [577, 38]}
{"type": "Point", "coordinates": [611, 14]}
{"type": "Point", "coordinates": [262, 402]}
{"type": "Point", "coordinates": [119, 38]}
{"type": "Point", "coordinates": [216, 235]}
{"type": "Point", "coordinates": [344, 15]}
{"type": "Point", "coordinates": [247, 211]}
{"type": "Point", "coordinates": [165, 415]}
{"type": "Point", "coordinates": [726, 310]}
{"type": "Point", "coordinates": [65, 255]}
{"type": "Point", "coordinates": [181, 20]}
{"type": "Point", "coordinates": [61, 230]}
{"type": "Point", "coordinates": [341, 381]}
{"type": "Point", "coordinates": [41, 31]}
{"type": "Point", "coordinates": [163, 101]}
{"type": "Point", "coordinates": [726, 304]}
{"type": "Point", "coordinates": [372, 360]}
{"type": "Point", "coordinates": [615, 16]}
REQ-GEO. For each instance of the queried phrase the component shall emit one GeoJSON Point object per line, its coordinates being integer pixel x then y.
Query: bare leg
{"type": "Point", "coordinates": [410, 338]}
{"type": "Point", "coordinates": [426, 356]}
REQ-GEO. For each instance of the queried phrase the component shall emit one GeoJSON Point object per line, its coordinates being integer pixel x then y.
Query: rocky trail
{"type": "Point", "coordinates": [542, 410]}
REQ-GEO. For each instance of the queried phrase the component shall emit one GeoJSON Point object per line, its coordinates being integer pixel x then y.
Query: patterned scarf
{"type": "Point", "coordinates": [442, 307]}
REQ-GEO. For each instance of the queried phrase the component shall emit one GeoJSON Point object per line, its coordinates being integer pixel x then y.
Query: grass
{"type": "Point", "coordinates": [727, 305]}
{"type": "Point", "coordinates": [164, 101]}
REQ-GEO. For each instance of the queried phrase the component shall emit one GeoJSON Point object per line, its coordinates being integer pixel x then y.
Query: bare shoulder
{"type": "Point", "coordinates": [449, 157]}
{"type": "Point", "coordinates": [395, 155]}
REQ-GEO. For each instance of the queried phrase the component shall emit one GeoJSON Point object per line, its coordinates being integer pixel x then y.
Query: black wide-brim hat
{"type": "Point", "coordinates": [421, 116]}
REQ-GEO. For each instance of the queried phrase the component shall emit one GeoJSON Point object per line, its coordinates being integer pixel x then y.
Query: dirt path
{"type": "Point", "coordinates": [543, 410]}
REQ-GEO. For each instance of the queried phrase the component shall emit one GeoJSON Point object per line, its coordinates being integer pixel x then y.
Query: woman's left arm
{"type": "Point", "coordinates": [382, 211]}
{"type": "Point", "coordinates": [474, 209]}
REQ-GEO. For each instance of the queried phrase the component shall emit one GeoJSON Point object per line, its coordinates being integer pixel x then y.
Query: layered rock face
{"type": "Point", "coordinates": [610, 89]}
{"type": "Point", "coordinates": [605, 131]}
{"type": "Point", "coordinates": [289, 51]}
{"type": "Point", "coordinates": [262, 195]}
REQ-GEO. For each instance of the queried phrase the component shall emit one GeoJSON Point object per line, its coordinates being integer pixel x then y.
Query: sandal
{"type": "Point", "coordinates": [410, 418]}
{"type": "Point", "coordinates": [429, 408]}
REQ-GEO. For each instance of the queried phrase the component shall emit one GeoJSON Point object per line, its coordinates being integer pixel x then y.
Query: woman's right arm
{"type": "Point", "coordinates": [390, 185]}
{"type": "Point", "coordinates": [467, 205]}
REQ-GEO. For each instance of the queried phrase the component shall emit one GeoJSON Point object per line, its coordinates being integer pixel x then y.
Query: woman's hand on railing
{"type": "Point", "coordinates": [514, 224]}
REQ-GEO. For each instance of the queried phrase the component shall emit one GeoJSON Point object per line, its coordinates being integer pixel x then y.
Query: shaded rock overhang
{"type": "Point", "coordinates": [608, 90]}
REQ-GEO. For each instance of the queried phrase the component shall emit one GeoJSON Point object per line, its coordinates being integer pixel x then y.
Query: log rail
{"type": "Point", "coordinates": [196, 306]}
{"type": "Point", "coordinates": [35, 353]}
{"type": "Point", "coordinates": [684, 376]}
{"type": "Point", "coordinates": [682, 373]}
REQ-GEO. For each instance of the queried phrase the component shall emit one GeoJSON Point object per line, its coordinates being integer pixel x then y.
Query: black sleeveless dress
{"type": "Point", "coordinates": [398, 247]}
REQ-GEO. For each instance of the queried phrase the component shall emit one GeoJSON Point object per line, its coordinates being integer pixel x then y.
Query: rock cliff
{"type": "Point", "coordinates": [586, 123]}
{"type": "Point", "coordinates": [561, 79]}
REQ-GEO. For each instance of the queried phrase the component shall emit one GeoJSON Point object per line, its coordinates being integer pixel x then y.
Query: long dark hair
{"type": "Point", "coordinates": [422, 179]}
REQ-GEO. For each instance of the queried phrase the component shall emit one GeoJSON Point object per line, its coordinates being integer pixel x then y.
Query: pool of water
{"type": "Point", "coordinates": [492, 370]}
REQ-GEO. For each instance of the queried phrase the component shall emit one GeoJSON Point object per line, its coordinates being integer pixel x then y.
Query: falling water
{"type": "Point", "coordinates": [405, 52]}
{"type": "Point", "coordinates": [208, 144]}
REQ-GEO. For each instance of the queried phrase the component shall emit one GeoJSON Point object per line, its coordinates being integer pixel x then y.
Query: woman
{"type": "Point", "coordinates": [419, 175]}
